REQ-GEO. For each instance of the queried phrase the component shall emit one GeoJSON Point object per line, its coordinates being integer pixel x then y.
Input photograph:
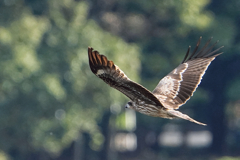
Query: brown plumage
{"type": "Point", "coordinates": [170, 93]}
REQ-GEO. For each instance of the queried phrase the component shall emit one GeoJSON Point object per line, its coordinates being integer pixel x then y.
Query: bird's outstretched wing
{"type": "Point", "coordinates": [179, 85]}
{"type": "Point", "coordinates": [112, 75]}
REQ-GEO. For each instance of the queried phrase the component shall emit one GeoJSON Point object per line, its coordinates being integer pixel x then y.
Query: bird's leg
{"type": "Point", "coordinates": [183, 116]}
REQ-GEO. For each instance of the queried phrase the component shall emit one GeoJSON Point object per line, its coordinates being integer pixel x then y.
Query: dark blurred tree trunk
{"type": "Point", "coordinates": [106, 132]}
{"type": "Point", "coordinates": [78, 147]}
{"type": "Point", "coordinates": [85, 151]}
{"type": "Point", "coordinates": [215, 81]}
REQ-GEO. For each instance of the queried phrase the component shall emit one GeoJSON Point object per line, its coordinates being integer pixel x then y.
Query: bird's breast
{"type": "Point", "coordinates": [152, 110]}
{"type": "Point", "coordinates": [148, 109]}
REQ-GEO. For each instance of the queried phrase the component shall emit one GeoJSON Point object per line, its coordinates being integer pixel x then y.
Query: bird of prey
{"type": "Point", "coordinates": [171, 92]}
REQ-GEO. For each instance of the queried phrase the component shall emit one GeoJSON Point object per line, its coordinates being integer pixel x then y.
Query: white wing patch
{"type": "Point", "coordinates": [181, 77]}
{"type": "Point", "coordinates": [166, 85]}
{"type": "Point", "coordinates": [100, 71]}
{"type": "Point", "coordinates": [170, 85]}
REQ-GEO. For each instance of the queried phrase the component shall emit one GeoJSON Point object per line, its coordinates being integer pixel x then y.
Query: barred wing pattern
{"type": "Point", "coordinates": [115, 77]}
{"type": "Point", "coordinates": [180, 84]}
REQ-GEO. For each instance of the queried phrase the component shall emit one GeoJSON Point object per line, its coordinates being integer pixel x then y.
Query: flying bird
{"type": "Point", "coordinates": [171, 92]}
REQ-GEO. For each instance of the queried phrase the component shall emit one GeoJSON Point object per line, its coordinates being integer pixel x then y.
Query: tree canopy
{"type": "Point", "coordinates": [51, 105]}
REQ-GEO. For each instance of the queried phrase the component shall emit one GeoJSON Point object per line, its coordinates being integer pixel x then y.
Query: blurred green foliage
{"type": "Point", "coordinates": [229, 158]}
{"type": "Point", "coordinates": [47, 91]}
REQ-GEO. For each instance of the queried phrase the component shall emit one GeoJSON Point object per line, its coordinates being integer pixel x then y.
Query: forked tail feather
{"type": "Point", "coordinates": [183, 116]}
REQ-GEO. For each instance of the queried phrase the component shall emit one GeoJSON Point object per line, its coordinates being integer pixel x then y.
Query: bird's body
{"type": "Point", "coordinates": [170, 93]}
{"type": "Point", "coordinates": [159, 111]}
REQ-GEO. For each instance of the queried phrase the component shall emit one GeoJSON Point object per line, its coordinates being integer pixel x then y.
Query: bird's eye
{"type": "Point", "coordinates": [130, 103]}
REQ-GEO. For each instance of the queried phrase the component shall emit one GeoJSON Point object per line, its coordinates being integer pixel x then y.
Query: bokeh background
{"type": "Point", "coordinates": [53, 108]}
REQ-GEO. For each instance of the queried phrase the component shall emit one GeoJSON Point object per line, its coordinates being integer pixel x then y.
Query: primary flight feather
{"type": "Point", "coordinates": [171, 92]}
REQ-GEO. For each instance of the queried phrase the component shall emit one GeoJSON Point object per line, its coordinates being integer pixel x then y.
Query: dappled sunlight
{"type": "Point", "coordinates": [4, 156]}
{"type": "Point", "coordinates": [32, 29]}
{"type": "Point", "coordinates": [199, 139]}
{"type": "Point", "coordinates": [130, 120]}
{"type": "Point", "coordinates": [97, 141]}
{"type": "Point", "coordinates": [54, 86]}
{"type": "Point", "coordinates": [125, 142]}
{"type": "Point", "coordinates": [173, 136]}
{"type": "Point", "coordinates": [194, 15]}
{"type": "Point", "coordinates": [5, 36]}
{"type": "Point", "coordinates": [26, 57]}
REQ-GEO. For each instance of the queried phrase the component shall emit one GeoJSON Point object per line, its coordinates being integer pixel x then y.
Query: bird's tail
{"type": "Point", "coordinates": [183, 116]}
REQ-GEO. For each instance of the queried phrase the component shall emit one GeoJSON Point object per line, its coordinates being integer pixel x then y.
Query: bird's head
{"type": "Point", "coordinates": [130, 104]}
